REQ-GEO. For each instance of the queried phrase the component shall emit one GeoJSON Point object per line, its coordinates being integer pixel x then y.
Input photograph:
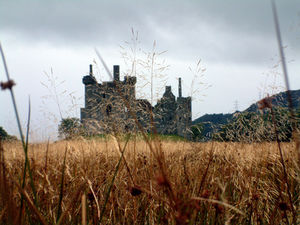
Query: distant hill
{"type": "Point", "coordinates": [211, 123]}
{"type": "Point", "coordinates": [280, 99]}
{"type": "Point", "coordinates": [214, 118]}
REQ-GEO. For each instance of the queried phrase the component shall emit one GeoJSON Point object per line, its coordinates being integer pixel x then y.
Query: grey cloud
{"type": "Point", "coordinates": [240, 31]}
{"type": "Point", "coordinates": [234, 39]}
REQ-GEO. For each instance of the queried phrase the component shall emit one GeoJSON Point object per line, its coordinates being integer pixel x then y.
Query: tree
{"type": "Point", "coordinates": [70, 128]}
{"type": "Point", "coordinates": [197, 132]}
{"type": "Point", "coordinates": [3, 134]}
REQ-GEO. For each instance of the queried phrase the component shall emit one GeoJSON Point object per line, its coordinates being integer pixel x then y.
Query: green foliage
{"type": "Point", "coordinates": [5, 136]}
{"type": "Point", "coordinates": [205, 126]}
{"type": "Point", "coordinates": [250, 124]}
{"type": "Point", "coordinates": [3, 133]}
{"type": "Point", "coordinates": [96, 136]}
{"type": "Point", "coordinates": [166, 137]}
{"type": "Point", "coordinates": [254, 127]}
{"type": "Point", "coordinates": [70, 128]}
{"type": "Point", "coordinates": [197, 132]}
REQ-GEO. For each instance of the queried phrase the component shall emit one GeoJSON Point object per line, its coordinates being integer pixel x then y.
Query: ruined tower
{"type": "Point", "coordinates": [106, 108]}
{"type": "Point", "coordinates": [173, 116]}
{"type": "Point", "coordinates": [165, 113]}
{"type": "Point", "coordinates": [183, 113]}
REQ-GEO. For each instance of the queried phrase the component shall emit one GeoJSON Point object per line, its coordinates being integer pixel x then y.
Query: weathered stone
{"type": "Point", "coordinates": [113, 107]}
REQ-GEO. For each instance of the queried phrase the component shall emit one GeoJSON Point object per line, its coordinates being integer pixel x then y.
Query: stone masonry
{"type": "Point", "coordinates": [112, 107]}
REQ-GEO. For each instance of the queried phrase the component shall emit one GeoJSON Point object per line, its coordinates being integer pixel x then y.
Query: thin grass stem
{"type": "Point", "coordinates": [61, 193]}
{"type": "Point", "coordinates": [112, 182]}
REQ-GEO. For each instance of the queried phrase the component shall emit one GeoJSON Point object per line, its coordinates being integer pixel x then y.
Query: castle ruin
{"type": "Point", "coordinates": [112, 106]}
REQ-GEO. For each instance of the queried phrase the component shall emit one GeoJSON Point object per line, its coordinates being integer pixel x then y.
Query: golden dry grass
{"type": "Point", "coordinates": [205, 183]}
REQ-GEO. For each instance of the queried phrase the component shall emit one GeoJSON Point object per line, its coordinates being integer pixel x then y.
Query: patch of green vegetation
{"type": "Point", "coordinates": [3, 133]}
{"type": "Point", "coordinates": [137, 137]}
{"type": "Point", "coordinates": [70, 128]}
{"type": "Point", "coordinates": [97, 137]}
{"type": "Point", "coordinates": [5, 136]}
{"type": "Point", "coordinates": [254, 127]}
{"type": "Point", "coordinates": [167, 137]}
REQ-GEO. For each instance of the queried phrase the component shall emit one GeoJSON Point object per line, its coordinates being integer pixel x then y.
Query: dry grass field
{"type": "Point", "coordinates": [137, 179]}
{"type": "Point", "coordinates": [92, 182]}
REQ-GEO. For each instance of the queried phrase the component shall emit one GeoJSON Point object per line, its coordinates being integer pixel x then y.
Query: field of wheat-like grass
{"type": "Point", "coordinates": [85, 181]}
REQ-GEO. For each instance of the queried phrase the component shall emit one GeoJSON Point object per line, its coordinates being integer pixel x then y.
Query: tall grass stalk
{"type": "Point", "coordinates": [291, 109]}
{"type": "Point", "coordinates": [5, 189]}
{"type": "Point", "coordinates": [283, 63]}
{"type": "Point", "coordinates": [71, 204]}
{"type": "Point", "coordinates": [285, 173]}
{"type": "Point", "coordinates": [155, 147]}
{"type": "Point", "coordinates": [12, 97]}
{"type": "Point", "coordinates": [112, 182]}
{"type": "Point", "coordinates": [27, 166]}
{"type": "Point", "coordinates": [83, 209]}
{"type": "Point", "coordinates": [30, 203]}
{"type": "Point", "coordinates": [61, 193]}
{"type": "Point", "coordinates": [24, 143]}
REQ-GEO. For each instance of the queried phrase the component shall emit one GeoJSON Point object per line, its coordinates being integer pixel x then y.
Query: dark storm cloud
{"type": "Point", "coordinates": [232, 30]}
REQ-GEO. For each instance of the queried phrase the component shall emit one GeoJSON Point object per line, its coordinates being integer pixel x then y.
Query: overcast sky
{"type": "Point", "coordinates": [234, 39]}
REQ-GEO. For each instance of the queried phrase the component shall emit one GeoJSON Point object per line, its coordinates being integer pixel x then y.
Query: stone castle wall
{"type": "Point", "coordinates": [113, 107]}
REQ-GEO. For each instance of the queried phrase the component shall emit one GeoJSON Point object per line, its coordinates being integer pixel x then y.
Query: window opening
{"type": "Point", "coordinates": [108, 110]}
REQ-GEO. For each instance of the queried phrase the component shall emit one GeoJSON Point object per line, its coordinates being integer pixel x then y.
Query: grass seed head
{"type": "Point", "coordinates": [7, 85]}
{"type": "Point", "coordinates": [265, 103]}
